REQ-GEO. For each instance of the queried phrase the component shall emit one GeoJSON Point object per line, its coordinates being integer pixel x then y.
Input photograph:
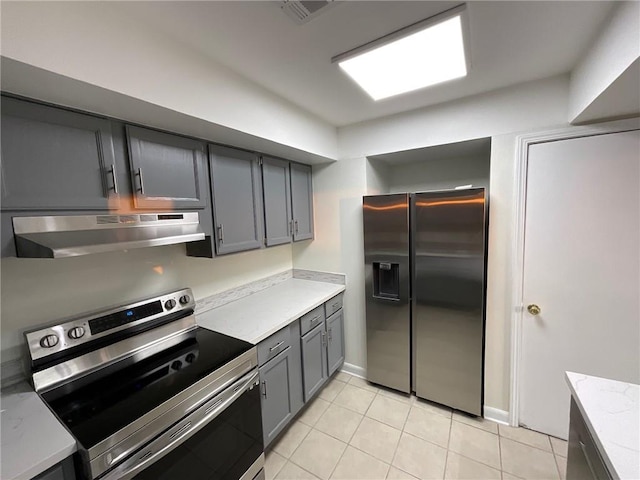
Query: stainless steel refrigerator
{"type": "Point", "coordinates": [425, 264]}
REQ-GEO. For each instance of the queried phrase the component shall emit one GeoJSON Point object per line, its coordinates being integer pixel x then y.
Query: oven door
{"type": "Point", "coordinates": [220, 440]}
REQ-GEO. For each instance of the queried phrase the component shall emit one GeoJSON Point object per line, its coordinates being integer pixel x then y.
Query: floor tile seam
{"type": "Point", "coordinates": [429, 441]}
{"type": "Point", "coordinates": [446, 458]}
{"type": "Point", "coordinates": [301, 441]}
{"type": "Point", "coordinates": [528, 445]}
{"type": "Point", "coordinates": [270, 450]}
{"type": "Point", "coordinates": [474, 426]}
{"type": "Point", "coordinates": [555, 460]}
{"type": "Point", "coordinates": [336, 465]}
{"type": "Point", "coordinates": [388, 424]}
{"type": "Point", "coordinates": [340, 439]}
{"type": "Point", "coordinates": [372, 455]}
{"type": "Point", "coordinates": [300, 466]}
{"type": "Point", "coordinates": [478, 461]}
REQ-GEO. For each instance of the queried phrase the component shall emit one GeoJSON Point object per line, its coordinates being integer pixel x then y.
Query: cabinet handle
{"type": "Point", "coordinates": [330, 336]}
{"type": "Point", "coordinates": [220, 234]}
{"type": "Point", "coordinates": [335, 305]}
{"type": "Point", "coordinates": [276, 346]}
{"type": "Point", "coordinates": [141, 181]}
{"type": "Point", "coordinates": [296, 224]}
{"type": "Point", "coordinates": [264, 388]}
{"type": "Point", "coordinates": [114, 178]}
{"type": "Point", "coordinates": [324, 339]}
{"type": "Point", "coordinates": [314, 319]}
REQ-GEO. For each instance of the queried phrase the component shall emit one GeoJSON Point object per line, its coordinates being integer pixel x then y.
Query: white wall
{"type": "Point", "coordinates": [439, 174]}
{"type": "Point", "coordinates": [339, 187]}
{"type": "Point", "coordinates": [615, 49]}
{"type": "Point", "coordinates": [337, 192]}
{"type": "Point", "coordinates": [96, 43]}
{"type": "Point", "coordinates": [518, 108]}
{"type": "Point", "coordinates": [39, 291]}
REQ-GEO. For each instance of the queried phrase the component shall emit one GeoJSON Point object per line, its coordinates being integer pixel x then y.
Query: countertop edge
{"type": "Point", "coordinates": [284, 323]}
{"type": "Point", "coordinates": [594, 434]}
{"type": "Point", "coordinates": [44, 465]}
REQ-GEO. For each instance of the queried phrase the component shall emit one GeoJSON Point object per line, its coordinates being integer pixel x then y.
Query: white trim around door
{"type": "Point", "coordinates": [517, 252]}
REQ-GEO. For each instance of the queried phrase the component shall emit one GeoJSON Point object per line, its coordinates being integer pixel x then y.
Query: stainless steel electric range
{"type": "Point", "coordinates": [149, 395]}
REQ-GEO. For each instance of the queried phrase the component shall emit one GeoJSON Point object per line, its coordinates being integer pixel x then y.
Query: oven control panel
{"type": "Point", "coordinates": [80, 330]}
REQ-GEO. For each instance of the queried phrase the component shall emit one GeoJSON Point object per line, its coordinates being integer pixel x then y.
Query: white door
{"type": "Point", "coordinates": [582, 268]}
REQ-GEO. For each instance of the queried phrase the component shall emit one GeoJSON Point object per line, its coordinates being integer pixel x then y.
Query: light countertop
{"type": "Point", "coordinates": [257, 316]}
{"type": "Point", "coordinates": [612, 412]}
{"type": "Point", "coordinates": [33, 440]}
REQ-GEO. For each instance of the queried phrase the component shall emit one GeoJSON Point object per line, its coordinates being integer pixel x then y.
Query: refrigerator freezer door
{"type": "Point", "coordinates": [386, 251]}
{"type": "Point", "coordinates": [448, 291]}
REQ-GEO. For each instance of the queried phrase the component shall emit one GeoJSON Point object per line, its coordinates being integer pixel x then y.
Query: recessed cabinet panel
{"type": "Point", "coordinates": [277, 201]}
{"type": "Point", "coordinates": [335, 341]}
{"type": "Point", "coordinates": [55, 159]}
{"type": "Point", "coordinates": [301, 202]}
{"type": "Point", "coordinates": [276, 403]}
{"type": "Point", "coordinates": [314, 361]}
{"type": "Point", "coordinates": [235, 180]}
{"type": "Point", "coordinates": [167, 171]}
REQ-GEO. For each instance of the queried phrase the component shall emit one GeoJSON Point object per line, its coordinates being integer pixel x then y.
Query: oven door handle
{"type": "Point", "coordinates": [171, 439]}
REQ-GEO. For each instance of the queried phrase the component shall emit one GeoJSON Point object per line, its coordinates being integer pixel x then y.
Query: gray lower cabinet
{"type": "Point", "coordinates": [335, 341]}
{"type": "Point", "coordinates": [55, 159]}
{"type": "Point", "coordinates": [61, 471]}
{"type": "Point", "coordinates": [583, 459]}
{"type": "Point", "coordinates": [314, 360]}
{"type": "Point", "coordinates": [280, 380]}
{"type": "Point", "coordinates": [235, 186]}
{"type": "Point", "coordinates": [275, 383]}
{"type": "Point", "coordinates": [167, 171]}
{"type": "Point", "coordinates": [278, 222]}
{"type": "Point", "coordinates": [301, 202]}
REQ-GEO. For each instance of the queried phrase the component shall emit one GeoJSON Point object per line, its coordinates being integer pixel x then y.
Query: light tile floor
{"type": "Point", "coordinates": [355, 430]}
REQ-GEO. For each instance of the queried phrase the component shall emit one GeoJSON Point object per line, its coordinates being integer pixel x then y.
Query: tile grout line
{"type": "Point", "coordinates": [446, 457]}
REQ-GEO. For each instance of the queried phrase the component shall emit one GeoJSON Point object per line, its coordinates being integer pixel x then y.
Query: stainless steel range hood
{"type": "Point", "coordinates": [73, 235]}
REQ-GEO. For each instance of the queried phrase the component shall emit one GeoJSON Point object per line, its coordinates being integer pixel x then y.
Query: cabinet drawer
{"type": "Point", "coordinates": [333, 305]}
{"type": "Point", "coordinates": [272, 346]}
{"type": "Point", "coordinates": [311, 320]}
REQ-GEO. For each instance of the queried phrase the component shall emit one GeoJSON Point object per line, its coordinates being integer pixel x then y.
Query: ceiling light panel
{"type": "Point", "coordinates": [429, 56]}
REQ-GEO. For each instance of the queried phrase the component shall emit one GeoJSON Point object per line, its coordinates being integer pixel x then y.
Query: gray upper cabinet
{"type": "Point", "coordinates": [335, 341]}
{"type": "Point", "coordinates": [167, 171]}
{"type": "Point", "coordinates": [301, 202]}
{"type": "Point", "coordinates": [277, 201]}
{"type": "Point", "coordinates": [314, 360]}
{"type": "Point", "coordinates": [235, 185]}
{"type": "Point", "coordinates": [55, 159]}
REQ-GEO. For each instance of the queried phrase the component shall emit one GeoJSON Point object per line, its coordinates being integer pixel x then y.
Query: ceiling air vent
{"type": "Point", "coordinates": [301, 11]}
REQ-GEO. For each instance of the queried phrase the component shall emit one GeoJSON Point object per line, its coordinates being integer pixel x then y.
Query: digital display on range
{"type": "Point", "coordinates": [113, 320]}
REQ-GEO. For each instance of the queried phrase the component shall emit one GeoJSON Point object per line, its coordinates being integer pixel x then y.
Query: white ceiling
{"type": "Point", "coordinates": [511, 42]}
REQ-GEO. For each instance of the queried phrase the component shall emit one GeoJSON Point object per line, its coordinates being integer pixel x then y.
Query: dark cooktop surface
{"type": "Point", "coordinates": [96, 410]}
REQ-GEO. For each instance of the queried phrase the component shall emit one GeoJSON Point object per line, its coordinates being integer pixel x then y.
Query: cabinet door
{"type": "Point", "coordinates": [277, 201]}
{"type": "Point", "coordinates": [55, 159]}
{"type": "Point", "coordinates": [235, 182]}
{"type": "Point", "coordinates": [314, 360]}
{"type": "Point", "coordinates": [301, 202]}
{"type": "Point", "coordinates": [335, 341]}
{"type": "Point", "coordinates": [276, 404]}
{"type": "Point", "coordinates": [167, 171]}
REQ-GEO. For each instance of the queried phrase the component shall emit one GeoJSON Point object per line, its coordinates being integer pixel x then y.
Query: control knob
{"type": "Point", "coordinates": [185, 299]}
{"type": "Point", "coordinates": [49, 341]}
{"type": "Point", "coordinates": [190, 358]}
{"type": "Point", "coordinates": [76, 332]}
{"type": "Point", "coordinates": [169, 304]}
{"type": "Point", "coordinates": [176, 365]}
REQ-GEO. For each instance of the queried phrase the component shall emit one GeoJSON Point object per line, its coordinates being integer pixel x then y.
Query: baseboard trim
{"type": "Point", "coordinates": [353, 370]}
{"type": "Point", "coordinates": [496, 415]}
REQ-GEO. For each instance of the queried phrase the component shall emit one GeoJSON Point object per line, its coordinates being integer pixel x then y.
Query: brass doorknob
{"type": "Point", "coordinates": [533, 309]}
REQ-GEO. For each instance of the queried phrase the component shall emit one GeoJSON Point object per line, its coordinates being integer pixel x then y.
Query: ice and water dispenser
{"type": "Point", "coordinates": [386, 280]}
